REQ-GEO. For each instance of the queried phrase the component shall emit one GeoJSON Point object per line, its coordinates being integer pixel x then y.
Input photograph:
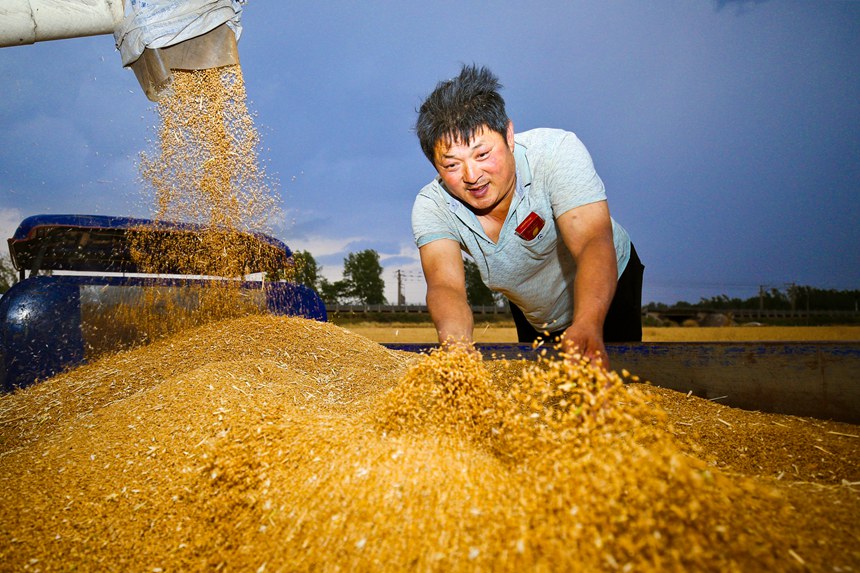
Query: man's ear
{"type": "Point", "coordinates": [510, 136]}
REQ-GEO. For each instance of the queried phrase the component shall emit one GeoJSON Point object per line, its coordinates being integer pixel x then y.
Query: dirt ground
{"type": "Point", "coordinates": [407, 333]}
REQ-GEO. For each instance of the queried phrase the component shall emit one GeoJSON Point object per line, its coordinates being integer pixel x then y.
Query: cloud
{"type": "Point", "coordinates": [404, 250]}
{"type": "Point", "coordinates": [323, 246]}
{"type": "Point", "coordinates": [9, 220]}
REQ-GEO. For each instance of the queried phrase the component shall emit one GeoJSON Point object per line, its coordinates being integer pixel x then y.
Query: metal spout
{"type": "Point", "coordinates": [154, 68]}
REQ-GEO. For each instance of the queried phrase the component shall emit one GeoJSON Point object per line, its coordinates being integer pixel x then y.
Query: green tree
{"type": "Point", "coordinates": [477, 293]}
{"type": "Point", "coordinates": [8, 276]}
{"type": "Point", "coordinates": [333, 293]}
{"type": "Point", "coordinates": [363, 274]}
{"type": "Point", "coordinates": [306, 271]}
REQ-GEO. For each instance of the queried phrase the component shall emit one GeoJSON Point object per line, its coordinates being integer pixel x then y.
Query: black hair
{"type": "Point", "coordinates": [459, 107]}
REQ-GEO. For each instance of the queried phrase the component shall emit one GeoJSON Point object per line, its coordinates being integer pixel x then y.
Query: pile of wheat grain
{"type": "Point", "coordinates": [281, 444]}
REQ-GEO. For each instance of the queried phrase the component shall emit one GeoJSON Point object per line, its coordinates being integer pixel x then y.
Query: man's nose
{"type": "Point", "coordinates": [471, 173]}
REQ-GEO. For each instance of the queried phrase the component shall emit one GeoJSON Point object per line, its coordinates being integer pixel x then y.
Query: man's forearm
{"type": "Point", "coordinates": [451, 315]}
{"type": "Point", "coordinates": [595, 283]}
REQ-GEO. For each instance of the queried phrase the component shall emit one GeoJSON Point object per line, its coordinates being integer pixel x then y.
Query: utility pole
{"type": "Point", "coordinates": [792, 295]}
{"type": "Point", "coordinates": [401, 298]}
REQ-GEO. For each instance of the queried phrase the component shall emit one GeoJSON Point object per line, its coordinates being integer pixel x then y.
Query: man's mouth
{"type": "Point", "coordinates": [479, 191]}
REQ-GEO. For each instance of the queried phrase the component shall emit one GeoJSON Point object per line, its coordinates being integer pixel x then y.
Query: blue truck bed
{"type": "Point", "coordinates": [46, 319]}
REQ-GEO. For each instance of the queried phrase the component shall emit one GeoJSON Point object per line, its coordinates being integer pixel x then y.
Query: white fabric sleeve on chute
{"type": "Point", "coordinates": [163, 23]}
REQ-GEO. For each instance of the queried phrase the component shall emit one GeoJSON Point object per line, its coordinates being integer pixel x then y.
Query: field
{"type": "Point", "coordinates": [496, 333]}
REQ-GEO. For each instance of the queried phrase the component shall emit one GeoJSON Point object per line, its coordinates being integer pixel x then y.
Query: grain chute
{"type": "Point", "coordinates": [153, 37]}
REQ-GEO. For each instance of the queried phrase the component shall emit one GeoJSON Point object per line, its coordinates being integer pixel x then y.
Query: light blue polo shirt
{"type": "Point", "coordinates": [555, 173]}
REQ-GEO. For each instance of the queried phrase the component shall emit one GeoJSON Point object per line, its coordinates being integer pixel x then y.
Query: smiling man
{"type": "Point", "coordinates": [531, 211]}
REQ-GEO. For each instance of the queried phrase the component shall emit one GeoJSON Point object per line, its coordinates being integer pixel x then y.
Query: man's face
{"type": "Point", "coordinates": [482, 172]}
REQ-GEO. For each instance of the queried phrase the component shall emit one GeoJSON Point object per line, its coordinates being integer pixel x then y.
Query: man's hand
{"type": "Point", "coordinates": [460, 345]}
{"type": "Point", "coordinates": [587, 232]}
{"type": "Point", "coordinates": [587, 341]}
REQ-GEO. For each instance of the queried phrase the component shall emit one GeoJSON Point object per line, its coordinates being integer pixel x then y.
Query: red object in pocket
{"type": "Point", "coordinates": [530, 227]}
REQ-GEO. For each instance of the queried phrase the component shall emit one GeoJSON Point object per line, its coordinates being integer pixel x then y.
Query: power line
{"type": "Point", "coordinates": [403, 277]}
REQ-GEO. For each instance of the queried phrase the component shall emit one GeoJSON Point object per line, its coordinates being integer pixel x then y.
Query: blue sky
{"type": "Point", "coordinates": [727, 132]}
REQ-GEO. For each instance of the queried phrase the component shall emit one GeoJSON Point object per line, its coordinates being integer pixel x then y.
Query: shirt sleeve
{"type": "Point", "coordinates": [429, 221]}
{"type": "Point", "coordinates": [571, 178]}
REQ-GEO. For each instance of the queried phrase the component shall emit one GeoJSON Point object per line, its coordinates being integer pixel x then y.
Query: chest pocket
{"type": "Point", "coordinates": [544, 243]}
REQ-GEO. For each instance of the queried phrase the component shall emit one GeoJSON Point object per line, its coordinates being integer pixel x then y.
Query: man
{"type": "Point", "coordinates": [532, 212]}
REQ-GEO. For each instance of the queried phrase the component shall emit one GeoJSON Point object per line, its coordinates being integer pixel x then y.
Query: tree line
{"type": "Point", "coordinates": [792, 298]}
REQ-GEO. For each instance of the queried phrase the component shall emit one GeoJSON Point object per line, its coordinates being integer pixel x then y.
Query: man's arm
{"type": "Point", "coordinates": [587, 233]}
{"type": "Point", "coordinates": [446, 291]}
